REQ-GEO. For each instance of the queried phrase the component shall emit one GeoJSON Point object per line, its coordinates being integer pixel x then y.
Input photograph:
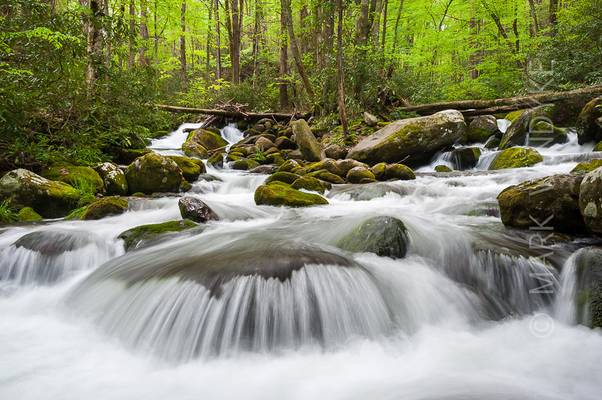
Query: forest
{"type": "Point", "coordinates": [77, 77]}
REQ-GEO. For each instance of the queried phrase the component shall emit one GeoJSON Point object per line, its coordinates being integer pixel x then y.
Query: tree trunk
{"type": "Point", "coordinates": [183, 70]}
{"type": "Point", "coordinates": [256, 36]}
{"type": "Point", "coordinates": [208, 42]}
{"type": "Point", "coordinates": [283, 86]}
{"type": "Point", "coordinates": [384, 34]}
{"type": "Point", "coordinates": [132, 35]}
{"type": "Point", "coordinates": [535, 23]}
{"type": "Point", "coordinates": [340, 71]}
{"type": "Point", "coordinates": [375, 29]}
{"type": "Point", "coordinates": [286, 7]}
{"type": "Point", "coordinates": [553, 15]}
{"type": "Point", "coordinates": [363, 23]}
{"type": "Point", "coordinates": [236, 22]}
{"type": "Point", "coordinates": [218, 43]}
{"type": "Point", "coordinates": [93, 29]}
{"type": "Point", "coordinates": [143, 32]}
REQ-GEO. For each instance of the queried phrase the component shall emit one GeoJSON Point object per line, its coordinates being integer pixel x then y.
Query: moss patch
{"type": "Point", "coordinates": [133, 237]}
{"type": "Point", "coordinates": [281, 194]}
{"type": "Point", "coordinates": [516, 157]}
{"type": "Point", "coordinates": [587, 166]}
{"type": "Point", "coordinates": [28, 214]}
{"type": "Point", "coordinates": [77, 176]}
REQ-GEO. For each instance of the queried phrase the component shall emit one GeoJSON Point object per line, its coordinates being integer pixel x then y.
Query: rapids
{"type": "Point", "coordinates": [472, 312]}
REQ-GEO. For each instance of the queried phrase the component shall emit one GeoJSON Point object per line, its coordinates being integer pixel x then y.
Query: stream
{"type": "Point", "coordinates": [470, 313]}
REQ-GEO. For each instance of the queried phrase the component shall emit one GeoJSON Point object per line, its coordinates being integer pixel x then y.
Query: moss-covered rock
{"type": "Point", "coordinates": [284, 143]}
{"type": "Point", "coordinates": [399, 172]}
{"type": "Point", "coordinates": [442, 168]}
{"type": "Point", "coordinates": [514, 115]}
{"type": "Point", "coordinates": [327, 164]}
{"type": "Point", "coordinates": [466, 157]}
{"type": "Point", "coordinates": [275, 158]}
{"type": "Point", "coordinates": [326, 176]}
{"type": "Point", "coordinates": [482, 128]}
{"type": "Point", "coordinates": [379, 171]}
{"type": "Point", "coordinates": [244, 164]}
{"type": "Point", "coordinates": [589, 286]}
{"type": "Point", "coordinates": [281, 194]}
{"type": "Point", "coordinates": [587, 166]}
{"type": "Point", "coordinates": [590, 200]}
{"type": "Point", "coordinates": [191, 167]}
{"type": "Point", "coordinates": [492, 143]}
{"type": "Point", "coordinates": [216, 160]}
{"type": "Point", "coordinates": [100, 208]}
{"type": "Point", "coordinates": [343, 166]}
{"type": "Point", "coordinates": [52, 199]}
{"type": "Point", "coordinates": [551, 202]}
{"type": "Point", "coordinates": [335, 151]}
{"type": "Point", "coordinates": [384, 236]}
{"type": "Point", "coordinates": [360, 175]}
{"type": "Point", "coordinates": [113, 179]}
{"type": "Point", "coordinates": [289, 166]}
{"type": "Point", "coordinates": [81, 177]}
{"type": "Point", "coordinates": [153, 173]}
{"type": "Point", "coordinates": [207, 139]}
{"type": "Point", "coordinates": [306, 141]}
{"type": "Point", "coordinates": [516, 157]}
{"type": "Point", "coordinates": [286, 177]}
{"type": "Point", "coordinates": [127, 156]}
{"type": "Point", "coordinates": [588, 129]}
{"type": "Point", "coordinates": [536, 125]}
{"type": "Point", "coordinates": [192, 149]}
{"type": "Point", "coordinates": [28, 214]}
{"type": "Point", "coordinates": [144, 234]}
{"type": "Point", "coordinates": [311, 184]}
{"type": "Point", "coordinates": [413, 140]}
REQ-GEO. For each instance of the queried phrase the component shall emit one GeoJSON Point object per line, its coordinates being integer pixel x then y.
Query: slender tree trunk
{"type": "Point", "coordinates": [143, 32]}
{"type": "Point", "coordinates": [93, 29]}
{"type": "Point", "coordinates": [218, 44]}
{"type": "Point", "coordinates": [553, 15]}
{"type": "Point", "coordinates": [328, 34]}
{"type": "Point", "coordinates": [183, 70]}
{"type": "Point", "coordinates": [340, 71]}
{"type": "Point", "coordinates": [208, 42]}
{"type": "Point", "coordinates": [132, 35]}
{"type": "Point", "coordinates": [535, 23]}
{"type": "Point", "coordinates": [256, 37]}
{"type": "Point", "coordinates": [283, 86]}
{"type": "Point", "coordinates": [155, 32]}
{"type": "Point", "coordinates": [385, 16]}
{"type": "Point", "coordinates": [236, 22]}
{"type": "Point", "coordinates": [375, 29]}
{"type": "Point", "coordinates": [363, 22]}
{"type": "Point", "coordinates": [286, 7]}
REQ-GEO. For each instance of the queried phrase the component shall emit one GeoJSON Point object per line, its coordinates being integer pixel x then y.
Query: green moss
{"type": "Point", "coordinates": [379, 171]}
{"type": "Point", "coordinates": [83, 178]}
{"type": "Point", "coordinates": [513, 116]}
{"type": "Point", "coordinates": [289, 166]}
{"type": "Point", "coordinates": [100, 208]}
{"type": "Point", "coordinates": [360, 175]}
{"type": "Point", "coordinates": [286, 177]}
{"type": "Point", "coordinates": [443, 168]}
{"type": "Point", "coordinates": [326, 176]}
{"type": "Point", "coordinates": [244, 164]}
{"type": "Point", "coordinates": [133, 237]}
{"type": "Point", "coordinates": [327, 164]}
{"type": "Point", "coordinates": [516, 157]}
{"type": "Point", "coordinates": [275, 158]}
{"type": "Point", "coordinates": [206, 138]}
{"type": "Point", "coordinates": [153, 173]}
{"type": "Point", "coordinates": [598, 147]}
{"type": "Point", "coordinates": [191, 168]}
{"type": "Point", "coordinates": [399, 172]}
{"type": "Point", "coordinates": [281, 194]}
{"type": "Point", "coordinates": [216, 160]}
{"type": "Point", "coordinates": [587, 166]}
{"type": "Point", "coordinates": [311, 184]}
{"type": "Point", "coordinates": [28, 214]}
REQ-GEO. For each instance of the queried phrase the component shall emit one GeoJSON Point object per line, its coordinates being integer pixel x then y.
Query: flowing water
{"type": "Point", "coordinates": [277, 311]}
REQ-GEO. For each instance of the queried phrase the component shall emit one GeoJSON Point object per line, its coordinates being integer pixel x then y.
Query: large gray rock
{"type": "Point", "coordinates": [113, 178]}
{"type": "Point", "coordinates": [482, 128]}
{"type": "Point", "coordinates": [51, 199]}
{"type": "Point", "coordinates": [590, 200]}
{"type": "Point", "coordinates": [153, 173]}
{"type": "Point", "coordinates": [307, 142]}
{"type": "Point", "coordinates": [384, 236]}
{"type": "Point", "coordinates": [412, 140]}
{"type": "Point", "coordinates": [551, 202]}
{"type": "Point", "coordinates": [588, 128]}
{"type": "Point", "coordinates": [535, 125]}
{"type": "Point", "coordinates": [196, 210]}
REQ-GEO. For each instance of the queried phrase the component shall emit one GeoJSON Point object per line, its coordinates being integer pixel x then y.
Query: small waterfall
{"type": "Point", "coordinates": [172, 143]}
{"type": "Point", "coordinates": [231, 134]}
{"type": "Point", "coordinates": [565, 307]}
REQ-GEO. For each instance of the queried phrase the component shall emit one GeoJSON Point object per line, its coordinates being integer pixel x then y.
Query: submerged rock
{"type": "Point", "coordinates": [307, 142]}
{"type": "Point", "coordinates": [466, 157]}
{"type": "Point", "coordinates": [84, 178]}
{"type": "Point", "coordinates": [384, 236]}
{"type": "Point", "coordinates": [52, 199]}
{"type": "Point", "coordinates": [144, 235]}
{"type": "Point", "coordinates": [588, 128]}
{"type": "Point", "coordinates": [516, 157]}
{"type": "Point", "coordinates": [587, 166]}
{"type": "Point", "coordinates": [196, 210]}
{"type": "Point", "coordinates": [52, 242]}
{"type": "Point", "coordinates": [153, 173]}
{"type": "Point", "coordinates": [113, 178]}
{"type": "Point", "coordinates": [281, 194]}
{"type": "Point", "coordinates": [412, 140]}
{"type": "Point", "coordinates": [590, 200]}
{"type": "Point", "coordinates": [442, 168]}
{"type": "Point", "coordinates": [551, 202]}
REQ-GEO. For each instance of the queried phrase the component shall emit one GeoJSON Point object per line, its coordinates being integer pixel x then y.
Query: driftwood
{"type": "Point", "coordinates": [481, 107]}
{"type": "Point", "coordinates": [235, 114]}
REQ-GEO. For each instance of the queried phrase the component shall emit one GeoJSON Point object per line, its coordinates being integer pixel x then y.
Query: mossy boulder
{"type": "Point", "coordinates": [113, 179]}
{"type": "Point", "coordinates": [343, 166]}
{"type": "Point", "coordinates": [52, 199]}
{"type": "Point", "coordinates": [587, 166]}
{"type": "Point", "coordinates": [516, 157]}
{"type": "Point", "coordinates": [206, 138]}
{"type": "Point", "coordinates": [77, 176]}
{"type": "Point", "coordinates": [379, 171]}
{"type": "Point", "coordinates": [590, 200]}
{"type": "Point", "coordinates": [443, 168]}
{"type": "Point", "coordinates": [139, 236]}
{"type": "Point", "coordinates": [28, 214]}
{"type": "Point", "coordinates": [514, 115]}
{"type": "Point", "coordinates": [153, 173]}
{"type": "Point", "coordinates": [244, 164]}
{"type": "Point", "coordinates": [551, 202]}
{"type": "Point", "coordinates": [275, 158]}
{"type": "Point", "coordinates": [289, 166]}
{"type": "Point", "coordinates": [286, 177]}
{"type": "Point", "coordinates": [191, 167]}
{"type": "Point", "coordinates": [311, 184]}
{"type": "Point", "coordinates": [284, 143]}
{"type": "Point", "coordinates": [306, 141]}
{"type": "Point", "coordinates": [327, 164]}
{"type": "Point", "coordinates": [216, 160]}
{"type": "Point", "coordinates": [535, 125]}
{"type": "Point", "coordinates": [466, 157]}
{"type": "Point", "coordinates": [281, 194]}
{"type": "Point", "coordinates": [413, 140]}
{"type": "Point", "coordinates": [100, 208]}
{"type": "Point", "coordinates": [588, 129]}
{"type": "Point", "coordinates": [482, 128]}
{"type": "Point", "coordinates": [360, 175]}
{"type": "Point", "coordinates": [399, 172]}
{"type": "Point", "coordinates": [384, 236]}
{"type": "Point", "coordinates": [588, 299]}
{"type": "Point", "coordinates": [127, 156]}
{"type": "Point", "coordinates": [327, 176]}
{"type": "Point", "coordinates": [335, 151]}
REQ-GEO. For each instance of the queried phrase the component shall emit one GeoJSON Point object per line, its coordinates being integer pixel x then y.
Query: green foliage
{"type": "Point", "coordinates": [7, 213]}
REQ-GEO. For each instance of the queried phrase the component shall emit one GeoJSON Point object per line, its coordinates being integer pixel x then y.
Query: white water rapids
{"type": "Point", "coordinates": [457, 318]}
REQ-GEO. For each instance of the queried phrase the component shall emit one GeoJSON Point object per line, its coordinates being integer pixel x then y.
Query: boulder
{"type": "Point", "coordinates": [492, 143]}
{"type": "Point", "coordinates": [370, 119]}
{"type": "Point", "coordinates": [588, 262]}
{"type": "Point", "coordinates": [384, 236]}
{"type": "Point", "coordinates": [286, 177]}
{"type": "Point", "coordinates": [327, 164]}
{"type": "Point", "coordinates": [482, 128]}
{"type": "Point", "coordinates": [343, 166]}
{"type": "Point", "coordinates": [289, 166]}
{"type": "Point", "coordinates": [516, 157]}
{"type": "Point", "coordinates": [274, 158]}
{"type": "Point", "coordinates": [284, 143]}
{"type": "Point", "coordinates": [587, 166]}
{"type": "Point", "coordinates": [196, 210]}
{"type": "Point", "coordinates": [412, 140]}
{"type": "Point", "coordinates": [263, 170]}
{"type": "Point", "coordinates": [113, 179]}
{"type": "Point", "coordinates": [327, 176]}
{"type": "Point", "coordinates": [281, 194]}
{"type": "Point", "coordinates": [311, 184]}
{"type": "Point", "coordinates": [399, 172]}
{"type": "Point", "coordinates": [443, 168]}
{"type": "Point", "coordinates": [80, 177]}
{"type": "Point", "coordinates": [360, 175]}
{"type": "Point", "coordinates": [244, 164]}
{"type": "Point", "coordinates": [191, 168]}
{"type": "Point", "coordinates": [28, 214]}
{"type": "Point", "coordinates": [335, 152]}
{"type": "Point", "coordinates": [307, 142]}
{"type": "Point", "coordinates": [588, 129]}
{"type": "Point", "coordinates": [379, 171]}
{"type": "Point", "coordinates": [207, 139]}
{"type": "Point", "coordinates": [153, 173]}
{"type": "Point", "coordinates": [590, 200]}
{"type": "Point", "coordinates": [551, 202]}
{"type": "Point", "coordinates": [216, 160]}
{"type": "Point", "coordinates": [100, 208]}
{"type": "Point", "coordinates": [143, 235]}
{"type": "Point", "coordinates": [535, 125]}
{"type": "Point", "coordinates": [466, 157]}
{"type": "Point", "coordinates": [52, 199]}
{"type": "Point", "coordinates": [264, 144]}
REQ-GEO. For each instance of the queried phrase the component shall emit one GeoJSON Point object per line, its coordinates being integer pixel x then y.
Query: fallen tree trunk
{"type": "Point", "coordinates": [240, 115]}
{"type": "Point", "coordinates": [475, 107]}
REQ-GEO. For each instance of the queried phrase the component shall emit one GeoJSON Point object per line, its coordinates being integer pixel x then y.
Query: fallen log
{"type": "Point", "coordinates": [239, 115]}
{"type": "Point", "coordinates": [572, 100]}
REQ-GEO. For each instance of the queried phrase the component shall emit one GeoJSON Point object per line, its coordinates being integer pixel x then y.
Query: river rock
{"type": "Point", "coordinates": [399, 172]}
{"type": "Point", "coordinates": [153, 173]}
{"type": "Point", "coordinates": [536, 125]}
{"type": "Point", "coordinates": [307, 142]}
{"type": "Point", "coordinates": [412, 140]}
{"type": "Point", "coordinates": [543, 203]}
{"type": "Point", "coordinates": [516, 157]}
{"type": "Point", "coordinates": [191, 168]}
{"type": "Point", "coordinates": [100, 208]}
{"type": "Point", "coordinates": [145, 235]}
{"type": "Point", "coordinates": [216, 160]}
{"type": "Point", "coordinates": [80, 177]}
{"type": "Point", "coordinates": [482, 128]}
{"type": "Point", "coordinates": [52, 242]}
{"type": "Point", "coordinates": [588, 129]}
{"type": "Point", "coordinates": [360, 175]}
{"type": "Point", "coordinates": [343, 166]}
{"type": "Point", "coordinates": [281, 194]}
{"type": "Point", "coordinates": [311, 184]}
{"type": "Point", "coordinates": [466, 157]}
{"type": "Point", "coordinates": [28, 214]}
{"type": "Point", "coordinates": [113, 179]}
{"type": "Point", "coordinates": [286, 177]}
{"type": "Point", "coordinates": [196, 210]}
{"type": "Point", "coordinates": [588, 299]}
{"type": "Point", "coordinates": [442, 168]}
{"type": "Point", "coordinates": [335, 152]}
{"type": "Point", "coordinates": [206, 138]}
{"type": "Point", "coordinates": [587, 166]}
{"type": "Point", "coordinates": [384, 236]}
{"type": "Point", "coordinates": [590, 200]}
{"type": "Point", "coordinates": [244, 164]}
{"type": "Point", "coordinates": [327, 164]}
{"type": "Point", "coordinates": [327, 176]}
{"type": "Point", "coordinates": [289, 166]}
{"type": "Point", "coordinates": [52, 199]}
{"type": "Point", "coordinates": [370, 119]}
{"type": "Point", "coordinates": [284, 143]}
